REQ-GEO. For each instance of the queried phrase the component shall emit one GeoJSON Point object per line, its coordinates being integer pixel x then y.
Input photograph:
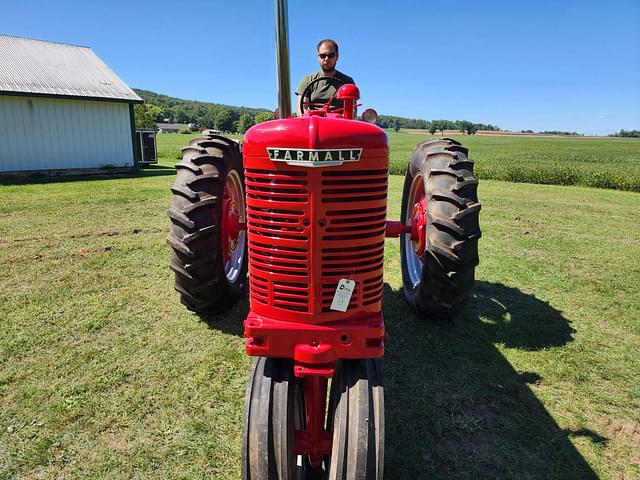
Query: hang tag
{"type": "Point", "coordinates": [342, 297]}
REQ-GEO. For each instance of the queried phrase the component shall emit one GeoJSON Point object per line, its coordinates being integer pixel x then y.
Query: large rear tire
{"type": "Point", "coordinates": [209, 249]}
{"type": "Point", "coordinates": [440, 200]}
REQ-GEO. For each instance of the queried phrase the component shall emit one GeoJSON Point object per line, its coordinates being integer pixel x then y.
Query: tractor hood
{"type": "Point", "coordinates": [315, 133]}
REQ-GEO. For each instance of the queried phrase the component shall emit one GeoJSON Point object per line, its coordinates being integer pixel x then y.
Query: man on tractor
{"type": "Point", "coordinates": [323, 91]}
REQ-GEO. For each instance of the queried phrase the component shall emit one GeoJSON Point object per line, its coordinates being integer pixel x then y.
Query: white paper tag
{"type": "Point", "coordinates": [342, 297]}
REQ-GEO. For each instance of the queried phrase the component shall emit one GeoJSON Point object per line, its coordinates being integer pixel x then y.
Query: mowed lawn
{"type": "Point", "coordinates": [103, 374]}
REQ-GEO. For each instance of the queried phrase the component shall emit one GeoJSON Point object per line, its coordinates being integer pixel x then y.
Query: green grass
{"type": "Point", "coordinates": [612, 163]}
{"type": "Point", "coordinates": [590, 162]}
{"type": "Point", "coordinates": [103, 374]}
{"type": "Point", "coordinates": [169, 146]}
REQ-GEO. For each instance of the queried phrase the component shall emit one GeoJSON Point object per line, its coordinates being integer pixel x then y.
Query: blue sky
{"type": "Point", "coordinates": [540, 65]}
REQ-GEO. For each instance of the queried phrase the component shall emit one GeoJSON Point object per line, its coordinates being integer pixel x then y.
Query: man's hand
{"type": "Point", "coordinates": [299, 108]}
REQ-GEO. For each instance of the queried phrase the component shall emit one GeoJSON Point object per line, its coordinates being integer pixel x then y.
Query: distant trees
{"type": "Point", "coordinates": [388, 121]}
{"type": "Point", "coordinates": [147, 115]}
{"type": "Point", "coordinates": [245, 123]}
{"type": "Point", "coordinates": [202, 114]}
{"type": "Point", "coordinates": [180, 116]}
{"type": "Point", "coordinates": [263, 117]}
{"type": "Point", "coordinates": [224, 120]}
{"type": "Point", "coordinates": [559, 132]}
{"type": "Point", "coordinates": [209, 120]}
{"type": "Point", "coordinates": [433, 126]}
{"type": "Point", "coordinates": [440, 125]}
{"type": "Point", "coordinates": [627, 133]}
{"type": "Point", "coordinates": [554, 132]}
{"type": "Point", "coordinates": [468, 127]}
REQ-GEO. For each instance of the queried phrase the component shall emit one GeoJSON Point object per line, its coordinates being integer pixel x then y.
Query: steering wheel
{"type": "Point", "coordinates": [325, 106]}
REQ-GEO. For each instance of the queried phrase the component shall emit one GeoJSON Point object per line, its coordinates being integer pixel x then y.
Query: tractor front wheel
{"type": "Point", "coordinates": [440, 204]}
{"type": "Point", "coordinates": [207, 238]}
{"type": "Point", "coordinates": [273, 411]}
{"type": "Point", "coordinates": [356, 416]}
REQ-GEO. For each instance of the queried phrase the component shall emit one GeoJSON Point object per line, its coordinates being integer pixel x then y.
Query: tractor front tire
{"type": "Point", "coordinates": [209, 252]}
{"type": "Point", "coordinates": [356, 417]}
{"type": "Point", "coordinates": [439, 257]}
{"type": "Point", "coordinates": [273, 410]}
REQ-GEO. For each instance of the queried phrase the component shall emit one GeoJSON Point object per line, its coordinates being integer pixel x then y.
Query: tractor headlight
{"type": "Point", "coordinates": [369, 115]}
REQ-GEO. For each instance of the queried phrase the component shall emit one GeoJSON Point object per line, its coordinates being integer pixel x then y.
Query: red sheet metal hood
{"type": "Point", "coordinates": [314, 132]}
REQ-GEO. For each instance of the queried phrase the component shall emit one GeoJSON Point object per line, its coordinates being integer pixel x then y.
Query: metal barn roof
{"type": "Point", "coordinates": [35, 67]}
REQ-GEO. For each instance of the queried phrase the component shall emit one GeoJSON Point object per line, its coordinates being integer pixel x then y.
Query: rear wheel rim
{"type": "Point", "coordinates": [236, 238]}
{"type": "Point", "coordinates": [413, 261]}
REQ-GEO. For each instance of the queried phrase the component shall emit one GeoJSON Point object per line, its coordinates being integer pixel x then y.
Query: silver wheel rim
{"type": "Point", "coordinates": [233, 266]}
{"type": "Point", "coordinates": [412, 261]}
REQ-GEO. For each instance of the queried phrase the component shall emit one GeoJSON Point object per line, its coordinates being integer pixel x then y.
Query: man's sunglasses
{"type": "Point", "coordinates": [325, 55]}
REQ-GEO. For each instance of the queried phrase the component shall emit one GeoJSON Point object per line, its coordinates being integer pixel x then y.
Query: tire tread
{"type": "Point", "coordinates": [195, 216]}
{"type": "Point", "coordinates": [453, 228]}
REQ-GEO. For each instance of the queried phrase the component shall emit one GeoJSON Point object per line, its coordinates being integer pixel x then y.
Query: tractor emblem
{"type": "Point", "coordinates": [314, 158]}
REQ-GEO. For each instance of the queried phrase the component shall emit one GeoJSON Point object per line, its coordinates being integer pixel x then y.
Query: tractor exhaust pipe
{"type": "Point", "coordinates": [282, 59]}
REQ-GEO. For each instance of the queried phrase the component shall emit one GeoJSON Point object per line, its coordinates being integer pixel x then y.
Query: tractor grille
{"type": "Point", "coordinates": [354, 186]}
{"type": "Point", "coordinates": [353, 240]}
{"type": "Point", "coordinates": [281, 187]}
{"type": "Point", "coordinates": [347, 239]}
{"type": "Point", "coordinates": [277, 204]}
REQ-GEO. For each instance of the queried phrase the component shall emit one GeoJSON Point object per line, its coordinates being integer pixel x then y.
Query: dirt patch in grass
{"type": "Point", "coordinates": [116, 439]}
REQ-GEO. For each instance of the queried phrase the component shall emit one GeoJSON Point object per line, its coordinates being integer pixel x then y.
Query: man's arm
{"type": "Point", "coordinates": [298, 109]}
{"type": "Point", "coordinates": [301, 88]}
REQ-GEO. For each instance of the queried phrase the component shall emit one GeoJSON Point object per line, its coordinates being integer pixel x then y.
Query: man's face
{"type": "Point", "coordinates": [327, 57]}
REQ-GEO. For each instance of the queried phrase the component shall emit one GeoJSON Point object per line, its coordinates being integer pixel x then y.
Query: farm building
{"type": "Point", "coordinates": [170, 127]}
{"type": "Point", "coordinates": [62, 108]}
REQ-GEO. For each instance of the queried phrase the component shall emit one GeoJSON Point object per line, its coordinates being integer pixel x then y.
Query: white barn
{"type": "Point", "coordinates": [62, 108]}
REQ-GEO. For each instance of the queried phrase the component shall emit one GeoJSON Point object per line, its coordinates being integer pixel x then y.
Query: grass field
{"type": "Point", "coordinates": [590, 162]}
{"type": "Point", "coordinates": [104, 375]}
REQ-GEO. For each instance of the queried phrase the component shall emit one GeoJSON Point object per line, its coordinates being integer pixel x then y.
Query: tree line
{"type": "Point", "coordinates": [433, 126]}
{"type": "Point", "coordinates": [560, 132]}
{"type": "Point", "coordinates": [627, 133]}
{"type": "Point", "coordinates": [227, 118]}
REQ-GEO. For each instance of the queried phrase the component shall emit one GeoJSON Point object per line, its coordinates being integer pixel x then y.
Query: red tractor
{"type": "Point", "coordinates": [301, 207]}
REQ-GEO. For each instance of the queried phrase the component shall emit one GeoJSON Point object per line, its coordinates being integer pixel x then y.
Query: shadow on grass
{"type": "Point", "coordinates": [106, 174]}
{"type": "Point", "coordinates": [229, 321]}
{"type": "Point", "coordinates": [456, 408]}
